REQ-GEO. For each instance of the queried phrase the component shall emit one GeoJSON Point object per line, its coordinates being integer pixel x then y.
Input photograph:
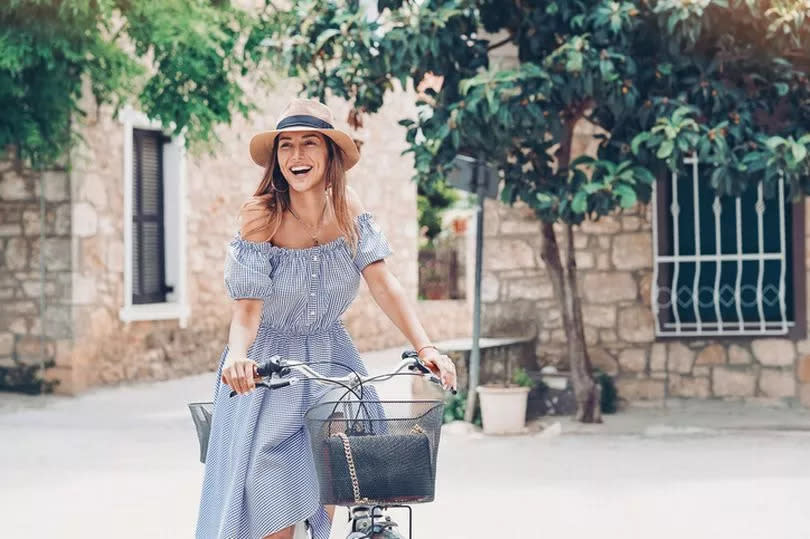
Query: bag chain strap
{"type": "Point", "coordinates": [347, 449]}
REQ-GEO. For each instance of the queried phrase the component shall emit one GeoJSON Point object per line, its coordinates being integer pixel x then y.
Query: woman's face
{"type": "Point", "coordinates": [302, 158]}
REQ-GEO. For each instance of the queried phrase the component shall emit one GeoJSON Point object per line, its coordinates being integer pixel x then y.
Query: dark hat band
{"type": "Point", "coordinates": [303, 120]}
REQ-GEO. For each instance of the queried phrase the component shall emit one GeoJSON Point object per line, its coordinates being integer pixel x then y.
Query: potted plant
{"type": "Point", "coordinates": [503, 406]}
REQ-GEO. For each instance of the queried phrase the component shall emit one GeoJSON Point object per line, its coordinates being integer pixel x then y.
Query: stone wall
{"type": "Point", "coordinates": [27, 254]}
{"type": "Point", "coordinates": [614, 259]}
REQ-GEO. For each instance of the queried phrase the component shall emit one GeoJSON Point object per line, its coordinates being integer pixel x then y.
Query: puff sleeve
{"type": "Point", "coordinates": [248, 269]}
{"type": "Point", "coordinates": [371, 243]}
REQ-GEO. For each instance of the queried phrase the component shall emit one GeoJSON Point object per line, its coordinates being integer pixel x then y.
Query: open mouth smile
{"type": "Point", "coordinates": [300, 171]}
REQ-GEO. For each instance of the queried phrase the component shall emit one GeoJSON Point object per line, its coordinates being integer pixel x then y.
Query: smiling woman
{"type": "Point", "coordinates": [293, 269]}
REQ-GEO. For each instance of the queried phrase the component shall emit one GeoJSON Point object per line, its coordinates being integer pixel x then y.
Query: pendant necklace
{"type": "Point", "coordinates": [317, 230]}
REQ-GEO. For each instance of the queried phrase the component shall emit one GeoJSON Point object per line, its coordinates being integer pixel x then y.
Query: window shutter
{"type": "Point", "coordinates": [148, 264]}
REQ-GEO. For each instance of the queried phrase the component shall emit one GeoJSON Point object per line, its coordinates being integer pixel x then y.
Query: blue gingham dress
{"type": "Point", "coordinates": [259, 473]}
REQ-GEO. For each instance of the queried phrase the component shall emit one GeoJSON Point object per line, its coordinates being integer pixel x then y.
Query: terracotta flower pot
{"type": "Point", "coordinates": [503, 409]}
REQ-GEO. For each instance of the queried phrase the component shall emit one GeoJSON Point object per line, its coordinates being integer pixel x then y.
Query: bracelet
{"type": "Point", "coordinates": [427, 346]}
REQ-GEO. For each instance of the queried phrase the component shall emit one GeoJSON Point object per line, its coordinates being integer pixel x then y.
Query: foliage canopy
{"type": "Point", "coordinates": [725, 79]}
{"type": "Point", "coordinates": [180, 59]}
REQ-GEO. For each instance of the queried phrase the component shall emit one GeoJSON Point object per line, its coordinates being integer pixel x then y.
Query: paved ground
{"type": "Point", "coordinates": [121, 463]}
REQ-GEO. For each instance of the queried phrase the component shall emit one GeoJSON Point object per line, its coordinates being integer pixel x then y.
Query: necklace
{"type": "Point", "coordinates": [314, 233]}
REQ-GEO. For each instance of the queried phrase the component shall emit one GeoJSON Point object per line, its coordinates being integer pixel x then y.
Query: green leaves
{"type": "Point", "coordinates": [48, 48]}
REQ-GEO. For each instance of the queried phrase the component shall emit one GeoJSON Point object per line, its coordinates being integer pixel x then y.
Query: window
{"type": "Point", "coordinates": [148, 230]}
{"type": "Point", "coordinates": [154, 226]}
{"type": "Point", "coordinates": [726, 266]}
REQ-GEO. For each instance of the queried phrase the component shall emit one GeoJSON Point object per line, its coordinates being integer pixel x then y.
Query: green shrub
{"type": "Point", "coordinates": [454, 407]}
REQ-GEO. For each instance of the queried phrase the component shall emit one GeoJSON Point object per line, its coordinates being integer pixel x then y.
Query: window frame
{"type": "Point", "coordinates": [662, 237]}
{"type": "Point", "coordinates": [176, 308]}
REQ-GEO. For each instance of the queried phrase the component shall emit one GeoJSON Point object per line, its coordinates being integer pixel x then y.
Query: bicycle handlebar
{"type": "Point", "coordinates": [276, 365]}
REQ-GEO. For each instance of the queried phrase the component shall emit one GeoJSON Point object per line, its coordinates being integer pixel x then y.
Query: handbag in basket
{"type": "Point", "coordinates": [381, 468]}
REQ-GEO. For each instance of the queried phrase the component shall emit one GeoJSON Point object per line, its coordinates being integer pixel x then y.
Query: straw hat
{"type": "Point", "coordinates": [305, 115]}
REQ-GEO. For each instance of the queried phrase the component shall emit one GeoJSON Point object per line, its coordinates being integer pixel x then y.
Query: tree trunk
{"type": "Point", "coordinates": [564, 281]}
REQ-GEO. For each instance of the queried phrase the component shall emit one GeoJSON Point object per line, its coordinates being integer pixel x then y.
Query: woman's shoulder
{"type": "Point", "coordinates": [255, 219]}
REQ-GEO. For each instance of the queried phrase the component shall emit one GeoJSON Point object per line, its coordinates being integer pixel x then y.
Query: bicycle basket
{"type": "Point", "coordinates": [378, 452]}
{"type": "Point", "coordinates": [201, 414]}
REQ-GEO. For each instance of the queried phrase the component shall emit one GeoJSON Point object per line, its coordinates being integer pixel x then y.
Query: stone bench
{"type": "Point", "coordinates": [496, 353]}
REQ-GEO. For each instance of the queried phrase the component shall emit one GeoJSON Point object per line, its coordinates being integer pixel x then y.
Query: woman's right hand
{"type": "Point", "coordinates": [240, 373]}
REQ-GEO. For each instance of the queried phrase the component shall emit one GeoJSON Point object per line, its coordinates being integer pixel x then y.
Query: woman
{"type": "Point", "coordinates": [295, 266]}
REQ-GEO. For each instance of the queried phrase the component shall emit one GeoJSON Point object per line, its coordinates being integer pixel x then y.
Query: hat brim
{"type": "Point", "coordinates": [262, 144]}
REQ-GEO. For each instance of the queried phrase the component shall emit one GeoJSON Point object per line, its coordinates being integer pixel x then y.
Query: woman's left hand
{"type": "Point", "coordinates": [441, 365]}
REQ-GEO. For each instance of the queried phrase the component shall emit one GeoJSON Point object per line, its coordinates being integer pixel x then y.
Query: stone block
{"type": "Point", "coordinates": [803, 369]}
{"type": "Point", "coordinates": [636, 325]}
{"type": "Point", "coordinates": [630, 223]}
{"type": "Point", "coordinates": [604, 242]}
{"type": "Point", "coordinates": [645, 289]}
{"type": "Point", "coordinates": [605, 225]}
{"type": "Point", "coordinates": [714, 354]}
{"type": "Point", "coordinates": [599, 316]}
{"type": "Point", "coordinates": [84, 289]}
{"type": "Point", "coordinates": [85, 220]}
{"type": "Point", "coordinates": [58, 323]}
{"type": "Point", "coordinates": [33, 289]}
{"type": "Point", "coordinates": [16, 254]}
{"type": "Point", "coordinates": [609, 287]}
{"type": "Point", "coordinates": [688, 387]}
{"type": "Point", "coordinates": [679, 358]}
{"type": "Point", "coordinates": [10, 230]}
{"type": "Point", "coordinates": [530, 289]}
{"type": "Point", "coordinates": [584, 260]}
{"type": "Point", "coordinates": [737, 355]}
{"type": "Point", "coordinates": [608, 336]}
{"type": "Point", "coordinates": [61, 225]}
{"type": "Point", "coordinates": [489, 288]}
{"type": "Point", "coordinates": [603, 262]}
{"type": "Point", "coordinates": [644, 389]}
{"type": "Point", "coordinates": [658, 357]}
{"type": "Point", "coordinates": [15, 187]}
{"type": "Point", "coordinates": [632, 251]}
{"type": "Point", "coordinates": [803, 347]}
{"type": "Point", "coordinates": [501, 254]}
{"type": "Point", "coordinates": [6, 343]}
{"type": "Point", "coordinates": [602, 360]}
{"type": "Point", "coordinates": [731, 382]}
{"type": "Point", "coordinates": [56, 185]}
{"type": "Point", "coordinates": [774, 352]}
{"type": "Point", "coordinates": [633, 360]}
{"type": "Point", "coordinates": [93, 190]}
{"type": "Point", "coordinates": [57, 254]}
{"type": "Point", "coordinates": [777, 383]}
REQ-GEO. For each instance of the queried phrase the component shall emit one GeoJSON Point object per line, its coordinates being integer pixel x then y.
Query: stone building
{"type": "Point", "coordinates": [735, 325]}
{"type": "Point", "coordinates": [74, 291]}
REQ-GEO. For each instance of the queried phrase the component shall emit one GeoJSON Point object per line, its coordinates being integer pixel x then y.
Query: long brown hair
{"type": "Point", "coordinates": [262, 214]}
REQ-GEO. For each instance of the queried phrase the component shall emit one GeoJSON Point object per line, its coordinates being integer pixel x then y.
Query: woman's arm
{"type": "Point", "coordinates": [390, 296]}
{"type": "Point", "coordinates": [239, 371]}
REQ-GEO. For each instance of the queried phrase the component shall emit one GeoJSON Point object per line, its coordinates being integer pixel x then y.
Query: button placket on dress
{"type": "Point", "coordinates": [314, 265]}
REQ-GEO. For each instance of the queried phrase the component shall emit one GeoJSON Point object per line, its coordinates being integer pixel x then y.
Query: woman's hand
{"type": "Point", "coordinates": [240, 374]}
{"type": "Point", "coordinates": [441, 365]}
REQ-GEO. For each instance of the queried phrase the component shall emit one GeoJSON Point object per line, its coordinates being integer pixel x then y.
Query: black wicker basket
{"type": "Point", "coordinates": [375, 452]}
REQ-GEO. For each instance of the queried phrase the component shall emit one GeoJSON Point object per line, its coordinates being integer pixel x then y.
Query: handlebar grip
{"type": "Point", "coordinates": [268, 367]}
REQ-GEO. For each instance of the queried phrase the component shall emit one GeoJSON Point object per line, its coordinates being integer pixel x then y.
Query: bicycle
{"type": "Point", "coordinates": [367, 452]}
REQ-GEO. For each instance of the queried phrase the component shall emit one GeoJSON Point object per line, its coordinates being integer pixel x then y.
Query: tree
{"type": "Point", "coordinates": [180, 59]}
{"type": "Point", "coordinates": [723, 79]}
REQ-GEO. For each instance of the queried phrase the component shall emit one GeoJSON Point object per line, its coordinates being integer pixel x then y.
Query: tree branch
{"type": "Point", "coordinates": [501, 43]}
